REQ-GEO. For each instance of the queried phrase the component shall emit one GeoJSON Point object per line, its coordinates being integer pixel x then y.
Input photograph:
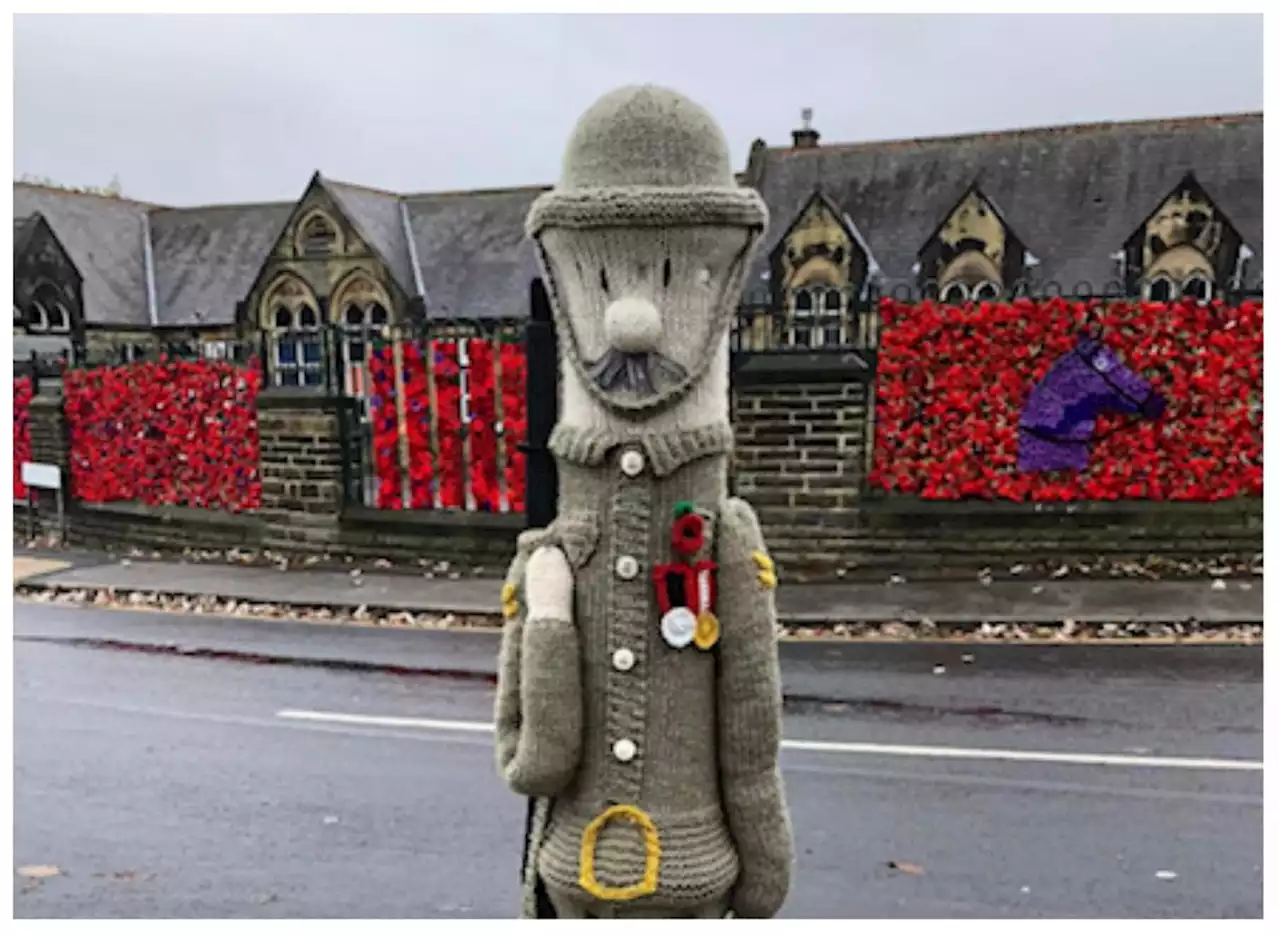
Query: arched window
{"type": "Point", "coordinates": [48, 312]}
{"type": "Point", "coordinates": [955, 293]}
{"type": "Point", "coordinates": [833, 325]}
{"type": "Point", "coordinates": [1160, 289]}
{"type": "Point", "coordinates": [1198, 288]}
{"type": "Point", "coordinates": [294, 325]}
{"type": "Point", "coordinates": [319, 236]}
{"type": "Point", "coordinates": [986, 291]}
{"type": "Point", "coordinates": [801, 331]}
{"type": "Point", "coordinates": [360, 308]}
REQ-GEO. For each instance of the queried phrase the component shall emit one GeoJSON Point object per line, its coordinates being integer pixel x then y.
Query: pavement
{"type": "Point", "coordinates": [1027, 782]}
{"type": "Point", "coordinates": [1232, 601]}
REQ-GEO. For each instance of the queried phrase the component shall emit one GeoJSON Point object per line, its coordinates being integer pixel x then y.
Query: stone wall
{"type": "Point", "coordinates": [801, 460]}
{"type": "Point", "coordinates": [803, 446]}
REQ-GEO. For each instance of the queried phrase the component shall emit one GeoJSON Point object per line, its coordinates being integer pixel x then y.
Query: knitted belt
{"type": "Point", "coordinates": [652, 855]}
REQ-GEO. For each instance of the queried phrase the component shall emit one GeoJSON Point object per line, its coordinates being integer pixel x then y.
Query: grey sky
{"type": "Point", "coordinates": [202, 109]}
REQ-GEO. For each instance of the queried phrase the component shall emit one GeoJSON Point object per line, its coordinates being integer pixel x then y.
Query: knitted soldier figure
{"type": "Point", "coordinates": [639, 699]}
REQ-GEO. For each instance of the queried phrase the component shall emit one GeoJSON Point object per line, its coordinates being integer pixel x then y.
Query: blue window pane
{"type": "Point", "coordinates": [311, 352]}
{"type": "Point", "coordinates": [313, 377]}
{"type": "Point", "coordinates": [287, 353]}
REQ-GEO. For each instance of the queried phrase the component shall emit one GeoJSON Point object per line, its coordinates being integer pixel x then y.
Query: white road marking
{"type": "Point", "coordinates": [820, 746]}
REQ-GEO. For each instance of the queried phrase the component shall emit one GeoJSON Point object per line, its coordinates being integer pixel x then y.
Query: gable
{"type": "Point", "coordinates": [322, 269]}
{"type": "Point", "coordinates": [103, 237]}
{"type": "Point", "coordinates": [1187, 234]}
{"type": "Point", "coordinates": [973, 244]}
{"type": "Point", "coordinates": [1073, 194]}
{"type": "Point", "coordinates": [819, 248]}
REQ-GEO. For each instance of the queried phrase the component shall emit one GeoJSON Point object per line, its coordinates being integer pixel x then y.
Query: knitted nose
{"type": "Point", "coordinates": [632, 325]}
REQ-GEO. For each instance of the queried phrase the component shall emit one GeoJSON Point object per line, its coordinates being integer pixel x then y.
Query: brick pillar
{"type": "Point", "coordinates": [50, 445]}
{"type": "Point", "coordinates": [800, 459]}
{"type": "Point", "coordinates": [300, 461]}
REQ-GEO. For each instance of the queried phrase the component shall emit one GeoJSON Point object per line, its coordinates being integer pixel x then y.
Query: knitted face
{"type": "Point", "coordinates": [641, 309]}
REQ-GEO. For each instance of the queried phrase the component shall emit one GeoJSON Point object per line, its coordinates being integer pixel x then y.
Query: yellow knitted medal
{"type": "Point", "coordinates": [707, 631]}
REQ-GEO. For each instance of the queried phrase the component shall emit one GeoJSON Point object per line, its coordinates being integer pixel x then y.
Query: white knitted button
{"type": "Point", "coordinates": [632, 462]}
{"type": "Point", "coordinates": [627, 567]}
{"type": "Point", "coordinates": [624, 750]}
{"type": "Point", "coordinates": [623, 659]}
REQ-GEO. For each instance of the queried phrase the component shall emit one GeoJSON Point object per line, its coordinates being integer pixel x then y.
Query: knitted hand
{"type": "Point", "coordinates": [548, 586]}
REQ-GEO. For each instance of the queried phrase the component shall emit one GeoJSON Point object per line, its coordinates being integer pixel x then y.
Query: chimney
{"type": "Point", "coordinates": [806, 137]}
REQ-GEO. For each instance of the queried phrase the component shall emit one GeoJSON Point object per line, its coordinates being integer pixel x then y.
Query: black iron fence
{"type": "Point", "coordinates": [825, 319]}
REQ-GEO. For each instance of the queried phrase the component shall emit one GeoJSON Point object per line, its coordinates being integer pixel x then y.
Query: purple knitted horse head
{"type": "Point", "coordinates": [1057, 424]}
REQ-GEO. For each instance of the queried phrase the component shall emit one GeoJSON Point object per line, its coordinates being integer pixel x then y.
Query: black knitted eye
{"type": "Point", "coordinates": [604, 281]}
{"type": "Point", "coordinates": [666, 274]}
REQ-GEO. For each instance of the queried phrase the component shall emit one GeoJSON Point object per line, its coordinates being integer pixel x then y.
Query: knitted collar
{"type": "Point", "coordinates": [667, 451]}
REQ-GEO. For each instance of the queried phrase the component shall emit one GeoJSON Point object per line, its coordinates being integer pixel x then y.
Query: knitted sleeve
{"type": "Point", "coordinates": [538, 709]}
{"type": "Point", "coordinates": [507, 701]}
{"type": "Point", "coordinates": [750, 712]}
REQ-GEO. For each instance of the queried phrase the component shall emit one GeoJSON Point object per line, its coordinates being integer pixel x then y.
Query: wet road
{"type": "Point", "coordinates": [164, 786]}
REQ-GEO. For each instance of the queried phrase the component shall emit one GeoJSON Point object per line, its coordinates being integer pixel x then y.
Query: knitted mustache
{"type": "Point", "coordinates": [635, 372]}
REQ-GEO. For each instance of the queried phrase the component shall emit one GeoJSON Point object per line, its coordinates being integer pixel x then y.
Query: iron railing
{"type": "Point", "coordinates": [841, 320]}
{"type": "Point", "coordinates": [394, 375]}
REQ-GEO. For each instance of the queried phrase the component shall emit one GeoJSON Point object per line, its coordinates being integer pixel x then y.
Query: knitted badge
{"type": "Point", "coordinates": [686, 587]}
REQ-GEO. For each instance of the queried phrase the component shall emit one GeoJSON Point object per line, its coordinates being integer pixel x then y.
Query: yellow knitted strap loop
{"type": "Point", "coordinates": [510, 606]}
{"type": "Point", "coordinates": [767, 576]}
{"type": "Point", "coordinates": [652, 855]}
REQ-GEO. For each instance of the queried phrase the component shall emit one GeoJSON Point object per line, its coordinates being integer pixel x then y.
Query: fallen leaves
{"type": "Point", "coordinates": [903, 866]}
{"type": "Point", "coordinates": [126, 876]}
{"type": "Point", "coordinates": [39, 872]}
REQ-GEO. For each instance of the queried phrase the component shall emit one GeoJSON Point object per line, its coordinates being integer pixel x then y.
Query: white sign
{"type": "Point", "coordinates": [41, 476]}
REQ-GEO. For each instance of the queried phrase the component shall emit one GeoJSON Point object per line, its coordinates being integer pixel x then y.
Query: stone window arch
{"type": "Point", "coordinates": [1199, 287]}
{"type": "Point", "coordinates": [318, 235]}
{"type": "Point", "coordinates": [49, 313]}
{"type": "Point", "coordinates": [1159, 288]}
{"type": "Point", "coordinates": [290, 315]}
{"type": "Point", "coordinates": [1185, 247]}
{"type": "Point", "coordinates": [361, 309]}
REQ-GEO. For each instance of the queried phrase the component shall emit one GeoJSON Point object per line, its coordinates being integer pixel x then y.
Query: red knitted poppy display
{"type": "Point", "coordinates": [952, 381]}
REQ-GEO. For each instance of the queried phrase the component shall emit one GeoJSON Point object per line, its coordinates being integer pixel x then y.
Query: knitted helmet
{"type": "Point", "coordinates": [646, 156]}
{"type": "Point", "coordinates": [641, 164]}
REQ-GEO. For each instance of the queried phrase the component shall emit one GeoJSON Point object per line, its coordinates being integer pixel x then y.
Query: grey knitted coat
{"type": "Point", "coordinates": [654, 756]}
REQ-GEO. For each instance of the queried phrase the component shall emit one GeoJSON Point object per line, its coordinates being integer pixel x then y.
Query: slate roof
{"type": "Point", "coordinates": [206, 259]}
{"type": "Point", "coordinates": [1073, 194]}
{"type": "Point", "coordinates": [476, 261]}
{"type": "Point", "coordinates": [376, 215]}
{"type": "Point", "coordinates": [103, 236]}
{"type": "Point", "coordinates": [23, 228]}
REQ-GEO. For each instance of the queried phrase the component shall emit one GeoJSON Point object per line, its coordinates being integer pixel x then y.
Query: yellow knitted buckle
{"type": "Point", "coordinates": [652, 855]}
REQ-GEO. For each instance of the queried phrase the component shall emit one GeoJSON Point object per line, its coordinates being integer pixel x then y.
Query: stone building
{"type": "Point", "coordinates": [1155, 207]}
